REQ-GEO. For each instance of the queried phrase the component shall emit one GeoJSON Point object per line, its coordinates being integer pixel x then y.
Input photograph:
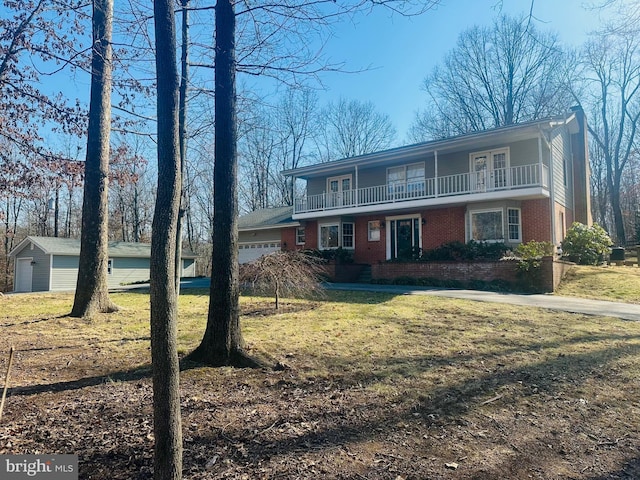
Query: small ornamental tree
{"type": "Point", "coordinates": [586, 245]}
{"type": "Point", "coordinates": [285, 273]}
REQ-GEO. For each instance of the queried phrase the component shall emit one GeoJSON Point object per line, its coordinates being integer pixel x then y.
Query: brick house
{"type": "Point", "coordinates": [511, 184]}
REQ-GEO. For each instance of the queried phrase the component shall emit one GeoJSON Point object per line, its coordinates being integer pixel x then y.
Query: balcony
{"type": "Point", "coordinates": [397, 193]}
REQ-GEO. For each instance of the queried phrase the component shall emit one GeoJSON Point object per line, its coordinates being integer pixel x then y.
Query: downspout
{"type": "Point", "coordinates": [552, 194]}
{"type": "Point", "coordinates": [572, 180]}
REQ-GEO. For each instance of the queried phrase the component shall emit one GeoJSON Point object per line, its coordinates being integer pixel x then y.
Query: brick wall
{"type": "Point", "coordinates": [551, 273]}
{"type": "Point", "coordinates": [464, 272]}
{"type": "Point", "coordinates": [288, 239]}
{"type": "Point", "coordinates": [369, 251]}
{"type": "Point", "coordinates": [288, 236]}
{"type": "Point", "coordinates": [443, 225]}
{"type": "Point", "coordinates": [559, 270]}
{"type": "Point", "coordinates": [536, 222]}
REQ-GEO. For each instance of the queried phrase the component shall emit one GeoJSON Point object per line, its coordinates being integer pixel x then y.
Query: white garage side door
{"type": "Point", "coordinates": [248, 252]}
{"type": "Point", "coordinates": [24, 275]}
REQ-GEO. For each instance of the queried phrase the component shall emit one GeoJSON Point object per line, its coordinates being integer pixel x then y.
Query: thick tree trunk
{"type": "Point", "coordinates": [618, 218]}
{"type": "Point", "coordinates": [92, 294]}
{"type": "Point", "coordinates": [222, 343]}
{"type": "Point", "coordinates": [613, 187]}
{"type": "Point", "coordinates": [164, 307]}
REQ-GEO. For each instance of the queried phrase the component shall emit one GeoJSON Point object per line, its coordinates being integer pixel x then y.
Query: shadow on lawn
{"type": "Point", "coordinates": [441, 407]}
{"type": "Point", "coordinates": [31, 322]}
{"type": "Point", "coordinates": [120, 376]}
{"type": "Point", "coordinates": [373, 419]}
{"type": "Point", "coordinates": [347, 296]}
{"type": "Point", "coordinates": [121, 341]}
{"type": "Point", "coordinates": [630, 471]}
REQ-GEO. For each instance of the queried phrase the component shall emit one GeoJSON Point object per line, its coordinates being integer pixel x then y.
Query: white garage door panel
{"type": "Point", "coordinates": [248, 252]}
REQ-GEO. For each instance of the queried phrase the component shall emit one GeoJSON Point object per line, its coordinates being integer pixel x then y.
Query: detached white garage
{"type": "Point", "coordinates": [260, 233]}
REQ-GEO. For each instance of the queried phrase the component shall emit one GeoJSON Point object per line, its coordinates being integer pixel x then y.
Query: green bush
{"type": "Point", "coordinates": [472, 251]}
{"type": "Point", "coordinates": [534, 249]}
{"type": "Point", "coordinates": [339, 255]}
{"type": "Point", "coordinates": [586, 245]}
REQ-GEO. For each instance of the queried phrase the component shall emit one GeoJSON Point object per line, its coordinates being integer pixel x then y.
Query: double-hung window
{"type": "Point", "coordinates": [406, 179]}
{"type": "Point", "coordinates": [336, 235]}
{"type": "Point", "coordinates": [373, 231]}
{"type": "Point", "coordinates": [514, 225]}
{"type": "Point", "coordinates": [396, 180]}
{"type": "Point", "coordinates": [415, 179]}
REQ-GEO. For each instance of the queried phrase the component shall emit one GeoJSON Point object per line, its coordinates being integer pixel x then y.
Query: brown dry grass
{"type": "Point", "coordinates": [616, 283]}
{"type": "Point", "coordinates": [377, 386]}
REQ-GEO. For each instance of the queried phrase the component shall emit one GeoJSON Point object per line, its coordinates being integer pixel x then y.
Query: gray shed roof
{"type": "Point", "coordinates": [276, 217]}
{"type": "Point", "coordinates": [71, 246]}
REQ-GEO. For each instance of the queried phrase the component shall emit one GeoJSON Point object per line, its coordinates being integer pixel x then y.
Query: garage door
{"type": "Point", "coordinates": [248, 252]}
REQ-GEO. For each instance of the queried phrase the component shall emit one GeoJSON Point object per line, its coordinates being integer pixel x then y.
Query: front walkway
{"type": "Point", "coordinates": [625, 311]}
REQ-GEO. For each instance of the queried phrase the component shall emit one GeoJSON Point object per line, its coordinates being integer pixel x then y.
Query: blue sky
{"type": "Point", "coordinates": [396, 53]}
{"type": "Point", "coordinates": [400, 52]}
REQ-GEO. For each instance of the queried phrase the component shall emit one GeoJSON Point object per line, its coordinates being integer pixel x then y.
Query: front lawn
{"type": "Point", "coordinates": [615, 283]}
{"type": "Point", "coordinates": [374, 386]}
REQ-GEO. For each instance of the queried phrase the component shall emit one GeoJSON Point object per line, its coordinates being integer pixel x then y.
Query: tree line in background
{"type": "Point", "coordinates": [508, 72]}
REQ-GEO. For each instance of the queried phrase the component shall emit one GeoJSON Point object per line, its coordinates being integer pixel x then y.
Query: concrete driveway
{"type": "Point", "coordinates": [625, 311]}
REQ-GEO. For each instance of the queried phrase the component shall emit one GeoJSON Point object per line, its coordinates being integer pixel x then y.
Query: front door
{"type": "Point", "coordinates": [339, 191]}
{"type": "Point", "coordinates": [24, 275]}
{"type": "Point", "coordinates": [404, 237]}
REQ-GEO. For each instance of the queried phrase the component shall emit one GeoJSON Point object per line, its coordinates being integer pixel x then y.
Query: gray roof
{"type": "Point", "coordinates": [71, 246]}
{"type": "Point", "coordinates": [276, 217]}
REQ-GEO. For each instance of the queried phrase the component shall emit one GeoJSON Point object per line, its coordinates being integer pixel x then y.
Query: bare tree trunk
{"type": "Point", "coordinates": [222, 343]}
{"type": "Point", "coordinates": [164, 300]}
{"type": "Point", "coordinates": [182, 126]}
{"type": "Point", "coordinates": [136, 214]}
{"type": "Point", "coordinates": [618, 218]}
{"type": "Point", "coordinates": [92, 294]}
{"type": "Point", "coordinates": [56, 213]}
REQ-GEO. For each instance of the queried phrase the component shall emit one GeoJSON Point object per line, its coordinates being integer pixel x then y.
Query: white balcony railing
{"type": "Point", "coordinates": [512, 178]}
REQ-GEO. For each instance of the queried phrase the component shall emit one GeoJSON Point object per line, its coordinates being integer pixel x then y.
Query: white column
{"type": "Point", "coordinates": [435, 181]}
